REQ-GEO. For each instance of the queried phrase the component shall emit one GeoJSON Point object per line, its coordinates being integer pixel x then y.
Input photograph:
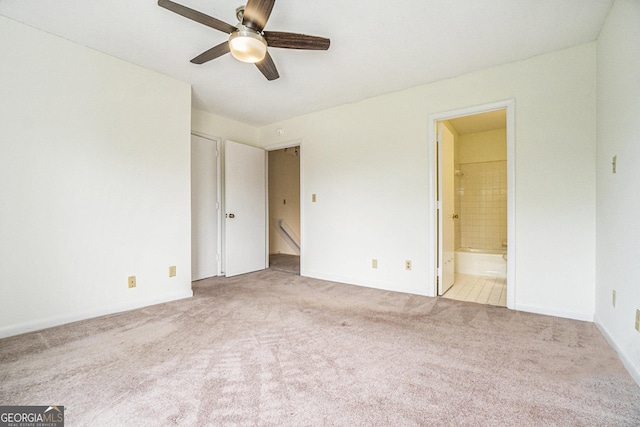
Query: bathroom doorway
{"type": "Point", "coordinates": [284, 208]}
{"type": "Point", "coordinates": [474, 181]}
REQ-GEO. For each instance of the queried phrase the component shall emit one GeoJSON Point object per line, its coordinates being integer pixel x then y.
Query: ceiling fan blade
{"type": "Point", "coordinates": [268, 68]}
{"type": "Point", "coordinates": [256, 13]}
{"type": "Point", "coordinates": [296, 41]}
{"type": "Point", "coordinates": [212, 53]}
{"type": "Point", "coordinates": [197, 16]}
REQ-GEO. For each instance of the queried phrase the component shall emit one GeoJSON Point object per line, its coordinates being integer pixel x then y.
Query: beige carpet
{"type": "Point", "coordinates": [276, 349]}
{"type": "Point", "coordinates": [285, 263]}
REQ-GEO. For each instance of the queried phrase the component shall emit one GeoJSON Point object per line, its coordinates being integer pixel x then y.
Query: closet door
{"type": "Point", "coordinates": [205, 208]}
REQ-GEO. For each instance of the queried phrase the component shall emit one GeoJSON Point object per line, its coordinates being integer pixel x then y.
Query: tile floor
{"type": "Point", "coordinates": [480, 289]}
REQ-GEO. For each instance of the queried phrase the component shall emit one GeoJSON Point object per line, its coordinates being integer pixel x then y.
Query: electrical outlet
{"type": "Point", "coordinates": [614, 164]}
{"type": "Point", "coordinates": [613, 298]}
{"type": "Point", "coordinates": [132, 281]}
{"type": "Point", "coordinates": [638, 320]}
{"type": "Point", "coordinates": [407, 265]}
{"type": "Point", "coordinates": [374, 263]}
{"type": "Point", "coordinates": [172, 271]}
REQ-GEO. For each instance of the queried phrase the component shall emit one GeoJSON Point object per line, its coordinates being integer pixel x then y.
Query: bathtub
{"type": "Point", "coordinates": [481, 262]}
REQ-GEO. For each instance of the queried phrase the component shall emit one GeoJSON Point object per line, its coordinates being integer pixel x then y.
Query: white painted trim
{"type": "Point", "coordinates": [585, 317]}
{"type": "Point", "coordinates": [267, 231]}
{"type": "Point", "coordinates": [283, 144]}
{"type": "Point", "coordinates": [382, 286]}
{"type": "Point", "coordinates": [302, 211]}
{"type": "Point", "coordinates": [219, 201]}
{"type": "Point", "coordinates": [633, 370]}
{"type": "Point", "coordinates": [279, 146]}
{"type": "Point", "coordinates": [23, 328]}
{"type": "Point", "coordinates": [511, 203]}
{"type": "Point", "coordinates": [439, 202]}
{"type": "Point", "coordinates": [509, 105]}
{"type": "Point", "coordinates": [288, 231]}
{"type": "Point", "coordinates": [204, 135]}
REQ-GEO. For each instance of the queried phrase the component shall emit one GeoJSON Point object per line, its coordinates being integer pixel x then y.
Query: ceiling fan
{"type": "Point", "coordinates": [247, 40]}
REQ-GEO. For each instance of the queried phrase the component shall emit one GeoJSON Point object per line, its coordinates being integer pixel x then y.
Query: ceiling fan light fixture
{"type": "Point", "coordinates": [247, 45]}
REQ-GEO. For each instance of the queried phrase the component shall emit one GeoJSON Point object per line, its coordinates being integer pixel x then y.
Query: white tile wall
{"type": "Point", "coordinates": [483, 204]}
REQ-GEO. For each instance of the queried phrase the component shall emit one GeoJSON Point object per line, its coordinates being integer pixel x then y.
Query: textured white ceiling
{"type": "Point", "coordinates": [377, 46]}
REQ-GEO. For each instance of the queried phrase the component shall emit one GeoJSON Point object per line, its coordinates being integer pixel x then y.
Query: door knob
{"type": "Point", "coordinates": [231, 216]}
{"type": "Point", "coordinates": [454, 216]}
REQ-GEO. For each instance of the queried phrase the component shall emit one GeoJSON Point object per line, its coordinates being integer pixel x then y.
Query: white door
{"type": "Point", "coordinates": [245, 209]}
{"type": "Point", "coordinates": [205, 208]}
{"type": "Point", "coordinates": [446, 214]}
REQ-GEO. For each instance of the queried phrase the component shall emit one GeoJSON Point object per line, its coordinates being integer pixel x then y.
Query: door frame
{"type": "Point", "coordinates": [218, 142]}
{"type": "Point", "coordinates": [280, 146]}
{"type": "Point", "coordinates": [432, 222]}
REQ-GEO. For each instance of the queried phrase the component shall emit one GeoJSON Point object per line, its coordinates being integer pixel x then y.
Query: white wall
{"type": "Point", "coordinates": [367, 163]}
{"type": "Point", "coordinates": [213, 125]}
{"type": "Point", "coordinates": [94, 168]}
{"type": "Point", "coordinates": [618, 201]}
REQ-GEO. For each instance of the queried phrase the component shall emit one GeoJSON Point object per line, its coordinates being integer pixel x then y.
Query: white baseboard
{"type": "Point", "coordinates": [585, 317]}
{"type": "Point", "coordinates": [634, 371]}
{"type": "Point", "coordinates": [364, 283]}
{"type": "Point", "coordinates": [50, 322]}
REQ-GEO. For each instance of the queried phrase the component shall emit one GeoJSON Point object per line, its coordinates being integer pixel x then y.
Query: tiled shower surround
{"type": "Point", "coordinates": [482, 193]}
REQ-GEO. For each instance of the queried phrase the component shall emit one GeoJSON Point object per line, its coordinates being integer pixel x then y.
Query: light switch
{"type": "Point", "coordinates": [313, 198]}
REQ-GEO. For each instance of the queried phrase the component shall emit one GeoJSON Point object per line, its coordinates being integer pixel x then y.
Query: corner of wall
{"type": "Point", "coordinates": [632, 366]}
{"type": "Point", "coordinates": [618, 106]}
{"type": "Point", "coordinates": [212, 124]}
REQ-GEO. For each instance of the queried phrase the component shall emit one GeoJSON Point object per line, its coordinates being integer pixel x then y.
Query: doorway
{"type": "Point", "coordinates": [284, 208]}
{"type": "Point", "coordinates": [473, 216]}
